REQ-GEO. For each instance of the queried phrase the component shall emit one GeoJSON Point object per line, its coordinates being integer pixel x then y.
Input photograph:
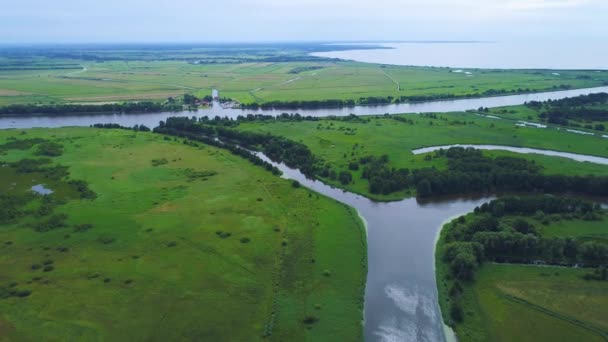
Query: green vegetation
{"type": "Point", "coordinates": [339, 142]}
{"type": "Point", "coordinates": [486, 301]}
{"type": "Point", "coordinates": [202, 245]}
{"type": "Point", "coordinates": [252, 75]}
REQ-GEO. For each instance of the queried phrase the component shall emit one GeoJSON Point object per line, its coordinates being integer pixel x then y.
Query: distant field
{"type": "Point", "coordinates": [252, 80]}
{"type": "Point", "coordinates": [340, 142]}
{"type": "Point", "coordinates": [157, 262]}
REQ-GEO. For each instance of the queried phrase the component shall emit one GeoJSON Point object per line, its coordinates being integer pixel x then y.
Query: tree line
{"type": "Point", "coordinates": [64, 109]}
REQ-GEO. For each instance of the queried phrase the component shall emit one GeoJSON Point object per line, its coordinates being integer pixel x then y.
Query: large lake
{"type": "Point", "coordinates": [500, 55]}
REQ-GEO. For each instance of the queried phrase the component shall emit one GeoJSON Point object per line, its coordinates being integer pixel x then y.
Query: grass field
{"type": "Point", "coordinates": [252, 81]}
{"type": "Point", "coordinates": [157, 263]}
{"type": "Point", "coordinates": [509, 302]}
{"type": "Point", "coordinates": [339, 142]}
{"type": "Point", "coordinates": [528, 303]}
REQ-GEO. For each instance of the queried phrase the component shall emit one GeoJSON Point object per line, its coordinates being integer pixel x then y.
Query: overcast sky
{"type": "Point", "coordinates": [24, 21]}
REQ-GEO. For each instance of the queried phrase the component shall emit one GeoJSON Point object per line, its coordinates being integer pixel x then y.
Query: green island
{"type": "Point", "coordinates": [507, 271]}
{"type": "Point", "coordinates": [136, 236]}
{"type": "Point", "coordinates": [255, 75]}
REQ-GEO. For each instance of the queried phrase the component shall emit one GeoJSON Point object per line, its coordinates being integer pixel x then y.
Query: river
{"type": "Point", "coordinates": [152, 119]}
{"type": "Point", "coordinates": [401, 294]}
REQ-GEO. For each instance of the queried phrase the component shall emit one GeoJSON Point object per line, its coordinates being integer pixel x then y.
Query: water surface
{"type": "Point", "coordinates": [546, 54]}
{"type": "Point", "coordinates": [152, 119]}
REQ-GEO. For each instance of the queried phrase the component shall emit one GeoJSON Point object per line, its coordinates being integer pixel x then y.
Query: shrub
{"type": "Point", "coordinates": [295, 184]}
{"type": "Point", "coordinates": [159, 162]}
{"type": "Point", "coordinates": [50, 149]}
{"type": "Point", "coordinates": [48, 268]}
{"type": "Point", "coordinates": [310, 319]}
{"type": "Point", "coordinates": [171, 244]}
{"type": "Point", "coordinates": [245, 240]}
{"type": "Point", "coordinates": [456, 312]}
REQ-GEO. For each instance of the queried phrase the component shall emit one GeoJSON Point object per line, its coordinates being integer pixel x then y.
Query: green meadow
{"type": "Point", "coordinates": [181, 242]}
{"type": "Point", "coordinates": [55, 80]}
{"type": "Point", "coordinates": [507, 302]}
{"type": "Point", "coordinates": [528, 303]}
{"type": "Point", "coordinates": [339, 142]}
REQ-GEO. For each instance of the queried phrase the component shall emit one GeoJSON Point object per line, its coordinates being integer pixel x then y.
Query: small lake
{"type": "Point", "coordinates": [573, 54]}
{"type": "Point", "coordinates": [152, 119]}
{"type": "Point", "coordinates": [41, 189]}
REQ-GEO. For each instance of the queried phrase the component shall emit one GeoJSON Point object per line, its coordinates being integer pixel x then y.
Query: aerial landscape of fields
{"type": "Point", "coordinates": [339, 175]}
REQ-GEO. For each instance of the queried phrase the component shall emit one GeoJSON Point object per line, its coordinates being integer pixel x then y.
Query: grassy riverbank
{"type": "Point", "coordinates": [249, 75]}
{"type": "Point", "coordinates": [505, 302]}
{"type": "Point", "coordinates": [181, 242]}
{"type": "Point", "coordinates": [339, 142]}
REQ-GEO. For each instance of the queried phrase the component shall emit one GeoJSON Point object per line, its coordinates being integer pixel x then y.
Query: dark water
{"type": "Point", "coordinates": [152, 119]}
{"type": "Point", "coordinates": [572, 54]}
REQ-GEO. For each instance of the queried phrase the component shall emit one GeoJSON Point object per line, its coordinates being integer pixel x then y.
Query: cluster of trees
{"type": "Point", "coordinates": [62, 109]}
{"type": "Point", "coordinates": [49, 149]}
{"type": "Point", "coordinates": [501, 231]}
{"type": "Point", "coordinates": [584, 108]}
{"type": "Point", "coordinates": [141, 128]}
{"type": "Point", "coordinates": [470, 172]}
{"type": "Point", "coordinates": [300, 69]}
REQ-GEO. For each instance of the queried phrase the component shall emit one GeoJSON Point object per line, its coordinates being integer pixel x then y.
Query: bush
{"type": "Point", "coordinates": [295, 184]}
{"type": "Point", "coordinates": [172, 244]}
{"type": "Point", "coordinates": [310, 319]}
{"type": "Point", "coordinates": [456, 312]}
{"type": "Point", "coordinates": [49, 149]}
{"type": "Point", "coordinates": [245, 240]}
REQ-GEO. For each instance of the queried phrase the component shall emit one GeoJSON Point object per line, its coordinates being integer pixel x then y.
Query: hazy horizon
{"type": "Point", "coordinates": [246, 21]}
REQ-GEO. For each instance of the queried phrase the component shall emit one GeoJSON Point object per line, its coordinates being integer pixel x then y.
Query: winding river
{"type": "Point", "coordinates": [152, 119]}
{"type": "Point", "coordinates": [401, 294]}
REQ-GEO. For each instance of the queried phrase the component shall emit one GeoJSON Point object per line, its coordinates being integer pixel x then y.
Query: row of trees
{"type": "Point", "coordinates": [191, 130]}
{"type": "Point", "coordinates": [471, 172]}
{"type": "Point", "coordinates": [63, 109]}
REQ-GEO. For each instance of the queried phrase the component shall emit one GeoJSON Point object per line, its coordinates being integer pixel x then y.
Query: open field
{"type": "Point", "coordinates": [528, 303]}
{"type": "Point", "coordinates": [250, 76]}
{"type": "Point", "coordinates": [339, 142]}
{"type": "Point", "coordinates": [506, 302]}
{"type": "Point", "coordinates": [157, 262]}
